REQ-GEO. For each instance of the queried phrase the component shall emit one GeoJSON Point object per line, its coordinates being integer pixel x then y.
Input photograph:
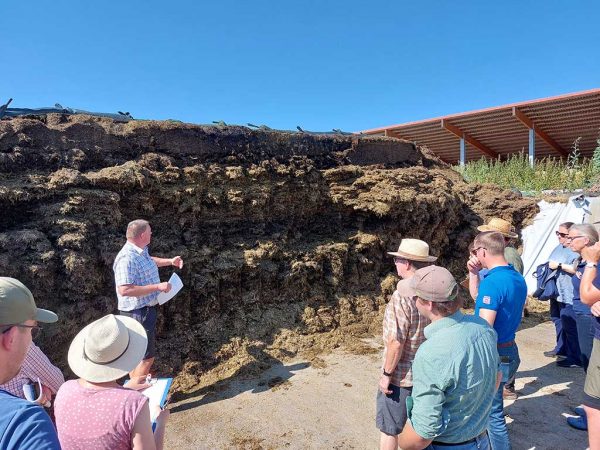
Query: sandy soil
{"type": "Point", "coordinates": [330, 405]}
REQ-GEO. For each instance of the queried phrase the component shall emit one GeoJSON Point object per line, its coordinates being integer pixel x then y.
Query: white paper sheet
{"type": "Point", "coordinates": [176, 285]}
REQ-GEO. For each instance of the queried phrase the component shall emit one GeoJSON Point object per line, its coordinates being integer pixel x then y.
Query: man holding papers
{"type": "Point", "coordinates": [138, 284]}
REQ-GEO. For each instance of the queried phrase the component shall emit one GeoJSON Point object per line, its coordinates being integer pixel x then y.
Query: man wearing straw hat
{"type": "Point", "coordinates": [402, 335]}
{"type": "Point", "coordinates": [23, 424]}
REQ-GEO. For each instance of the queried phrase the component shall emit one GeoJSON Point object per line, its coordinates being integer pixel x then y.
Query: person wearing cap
{"type": "Point", "coordinates": [138, 285]}
{"type": "Point", "coordinates": [96, 412]}
{"type": "Point", "coordinates": [23, 424]}
{"type": "Point", "coordinates": [455, 371]}
{"type": "Point", "coordinates": [402, 335]}
{"type": "Point", "coordinates": [499, 299]}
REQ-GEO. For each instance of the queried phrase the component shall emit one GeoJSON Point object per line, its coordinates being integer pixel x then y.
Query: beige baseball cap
{"type": "Point", "coordinates": [431, 283]}
{"type": "Point", "coordinates": [18, 305]}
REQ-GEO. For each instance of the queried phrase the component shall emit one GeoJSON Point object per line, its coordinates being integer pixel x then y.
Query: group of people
{"type": "Point", "coordinates": [94, 411]}
{"type": "Point", "coordinates": [445, 375]}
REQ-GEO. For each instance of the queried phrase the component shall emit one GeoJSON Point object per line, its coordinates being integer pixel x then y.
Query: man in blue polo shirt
{"type": "Point", "coordinates": [24, 425]}
{"type": "Point", "coordinates": [499, 299]}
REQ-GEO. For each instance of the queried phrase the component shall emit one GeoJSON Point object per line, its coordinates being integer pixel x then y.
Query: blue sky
{"type": "Point", "coordinates": [318, 64]}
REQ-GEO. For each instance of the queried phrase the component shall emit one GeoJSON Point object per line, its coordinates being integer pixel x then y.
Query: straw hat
{"type": "Point", "coordinates": [414, 250]}
{"type": "Point", "coordinates": [107, 349]}
{"type": "Point", "coordinates": [501, 226]}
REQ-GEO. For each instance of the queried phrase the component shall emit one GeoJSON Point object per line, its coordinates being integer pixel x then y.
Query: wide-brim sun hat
{"type": "Point", "coordinates": [501, 226]}
{"type": "Point", "coordinates": [414, 250]}
{"type": "Point", "coordinates": [107, 349]}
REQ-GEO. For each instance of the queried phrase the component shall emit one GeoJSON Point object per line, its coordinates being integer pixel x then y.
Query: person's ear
{"type": "Point", "coordinates": [7, 339]}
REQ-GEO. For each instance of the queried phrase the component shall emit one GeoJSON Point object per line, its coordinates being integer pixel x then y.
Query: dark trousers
{"type": "Point", "coordinates": [555, 310]}
{"type": "Point", "coordinates": [568, 321]}
{"type": "Point", "coordinates": [585, 333]}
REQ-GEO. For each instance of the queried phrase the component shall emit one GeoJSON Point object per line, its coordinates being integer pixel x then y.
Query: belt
{"type": "Point", "coordinates": [506, 344]}
{"type": "Point", "coordinates": [454, 444]}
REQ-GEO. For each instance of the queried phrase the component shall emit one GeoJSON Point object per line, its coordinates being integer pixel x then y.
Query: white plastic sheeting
{"type": "Point", "coordinates": [539, 239]}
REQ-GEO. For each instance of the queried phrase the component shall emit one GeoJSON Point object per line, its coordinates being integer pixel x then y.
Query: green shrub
{"type": "Point", "coordinates": [547, 173]}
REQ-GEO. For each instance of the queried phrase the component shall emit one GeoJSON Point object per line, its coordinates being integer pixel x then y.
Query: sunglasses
{"type": "Point", "coordinates": [399, 260]}
{"type": "Point", "coordinates": [562, 235]}
{"type": "Point", "coordinates": [475, 250]}
{"type": "Point", "coordinates": [35, 329]}
{"type": "Point", "coordinates": [572, 238]}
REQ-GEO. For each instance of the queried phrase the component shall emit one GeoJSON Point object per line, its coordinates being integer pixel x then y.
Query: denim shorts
{"type": "Point", "coordinates": [391, 410]}
{"type": "Point", "coordinates": [147, 317]}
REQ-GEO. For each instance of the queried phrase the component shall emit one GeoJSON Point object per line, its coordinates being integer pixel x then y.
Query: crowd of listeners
{"type": "Point", "coordinates": [445, 374]}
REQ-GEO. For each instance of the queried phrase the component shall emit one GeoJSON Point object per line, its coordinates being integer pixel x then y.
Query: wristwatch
{"type": "Point", "coordinates": [387, 374]}
{"type": "Point", "coordinates": [559, 266]}
{"type": "Point", "coordinates": [591, 264]}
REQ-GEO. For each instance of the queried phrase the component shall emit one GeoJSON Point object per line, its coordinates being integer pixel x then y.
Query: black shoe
{"type": "Point", "coordinates": [568, 363]}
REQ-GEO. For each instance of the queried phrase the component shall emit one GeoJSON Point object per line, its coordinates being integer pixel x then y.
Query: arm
{"type": "Point", "coordinates": [37, 365]}
{"type": "Point", "coordinates": [589, 293]}
{"type": "Point", "coordinates": [474, 266]}
{"type": "Point", "coordinates": [131, 290]}
{"type": "Point", "coordinates": [164, 262]}
{"type": "Point", "coordinates": [489, 315]}
{"type": "Point", "coordinates": [143, 438]}
{"type": "Point", "coordinates": [392, 356]}
{"type": "Point", "coordinates": [410, 440]}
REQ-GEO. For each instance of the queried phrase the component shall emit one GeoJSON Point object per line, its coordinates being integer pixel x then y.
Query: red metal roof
{"type": "Point", "coordinates": [503, 130]}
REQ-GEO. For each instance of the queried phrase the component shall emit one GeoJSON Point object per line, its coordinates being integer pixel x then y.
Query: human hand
{"type": "Point", "coordinates": [384, 384]}
{"type": "Point", "coordinates": [162, 415]}
{"type": "Point", "coordinates": [164, 286]}
{"type": "Point", "coordinates": [137, 383]}
{"type": "Point", "coordinates": [552, 264]}
{"type": "Point", "coordinates": [474, 265]}
{"type": "Point", "coordinates": [591, 253]}
{"type": "Point", "coordinates": [177, 261]}
{"type": "Point", "coordinates": [596, 309]}
{"type": "Point", "coordinates": [45, 397]}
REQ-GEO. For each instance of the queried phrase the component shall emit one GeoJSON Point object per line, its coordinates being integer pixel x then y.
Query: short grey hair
{"type": "Point", "coordinates": [587, 230]}
{"type": "Point", "coordinates": [136, 227]}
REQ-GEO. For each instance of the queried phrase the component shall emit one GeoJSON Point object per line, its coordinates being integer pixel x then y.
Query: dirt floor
{"type": "Point", "coordinates": [329, 404]}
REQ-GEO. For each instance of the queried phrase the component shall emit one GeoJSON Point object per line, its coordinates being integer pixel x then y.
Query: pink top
{"type": "Point", "coordinates": [35, 366]}
{"type": "Point", "coordinates": [96, 419]}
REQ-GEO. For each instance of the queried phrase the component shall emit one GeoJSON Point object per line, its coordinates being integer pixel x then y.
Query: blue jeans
{"type": "Point", "coordinates": [555, 310]}
{"type": "Point", "coordinates": [481, 443]}
{"type": "Point", "coordinates": [585, 336]}
{"type": "Point", "coordinates": [569, 329]}
{"type": "Point", "coordinates": [497, 427]}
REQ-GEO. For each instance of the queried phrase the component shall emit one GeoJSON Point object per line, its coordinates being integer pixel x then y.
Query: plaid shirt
{"type": "Point", "coordinates": [35, 366]}
{"type": "Point", "coordinates": [135, 266]}
{"type": "Point", "coordinates": [403, 323]}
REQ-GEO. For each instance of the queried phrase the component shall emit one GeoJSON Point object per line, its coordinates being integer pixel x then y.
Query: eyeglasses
{"type": "Point", "coordinates": [399, 260]}
{"type": "Point", "coordinates": [35, 329]}
{"type": "Point", "coordinates": [475, 250]}
{"type": "Point", "coordinates": [562, 235]}
{"type": "Point", "coordinates": [572, 238]}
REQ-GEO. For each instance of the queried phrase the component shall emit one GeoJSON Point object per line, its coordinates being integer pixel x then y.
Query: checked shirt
{"type": "Point", "coordinates": [403, 322]}
{"type": "Point", "coordinates": [135, 266]}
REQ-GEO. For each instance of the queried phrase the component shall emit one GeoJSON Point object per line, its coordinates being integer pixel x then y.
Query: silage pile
{"type": "Point", "coordinates": [284, 236]}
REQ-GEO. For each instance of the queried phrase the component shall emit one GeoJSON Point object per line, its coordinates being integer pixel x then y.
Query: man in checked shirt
{"type": "Point", "coordinates": [402, 335]}
{"type": "Point", "coordinates": [138, 285]}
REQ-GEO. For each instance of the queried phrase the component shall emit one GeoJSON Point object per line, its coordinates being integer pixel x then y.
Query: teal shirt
{"type": "Point", "coordinates": [454, 379]}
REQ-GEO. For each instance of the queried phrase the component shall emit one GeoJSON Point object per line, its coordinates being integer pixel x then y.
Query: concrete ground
{"type": "Point", "coordinates": [299, 406]}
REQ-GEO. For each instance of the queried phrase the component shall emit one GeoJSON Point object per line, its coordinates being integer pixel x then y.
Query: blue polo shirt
{"type": "Point", "coordinates": [503, 290]}
{"type": "Point", "coordinates": [24, 425]}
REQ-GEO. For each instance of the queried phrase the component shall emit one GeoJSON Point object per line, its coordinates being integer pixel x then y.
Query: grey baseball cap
{"type": "Point", "coordinates": [18, 305]}
{"type": "Point", "coordinates": [431, 283]}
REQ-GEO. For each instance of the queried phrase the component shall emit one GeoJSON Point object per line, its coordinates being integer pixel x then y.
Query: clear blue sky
{"type": "Point", "coordinates": [318, 64]}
